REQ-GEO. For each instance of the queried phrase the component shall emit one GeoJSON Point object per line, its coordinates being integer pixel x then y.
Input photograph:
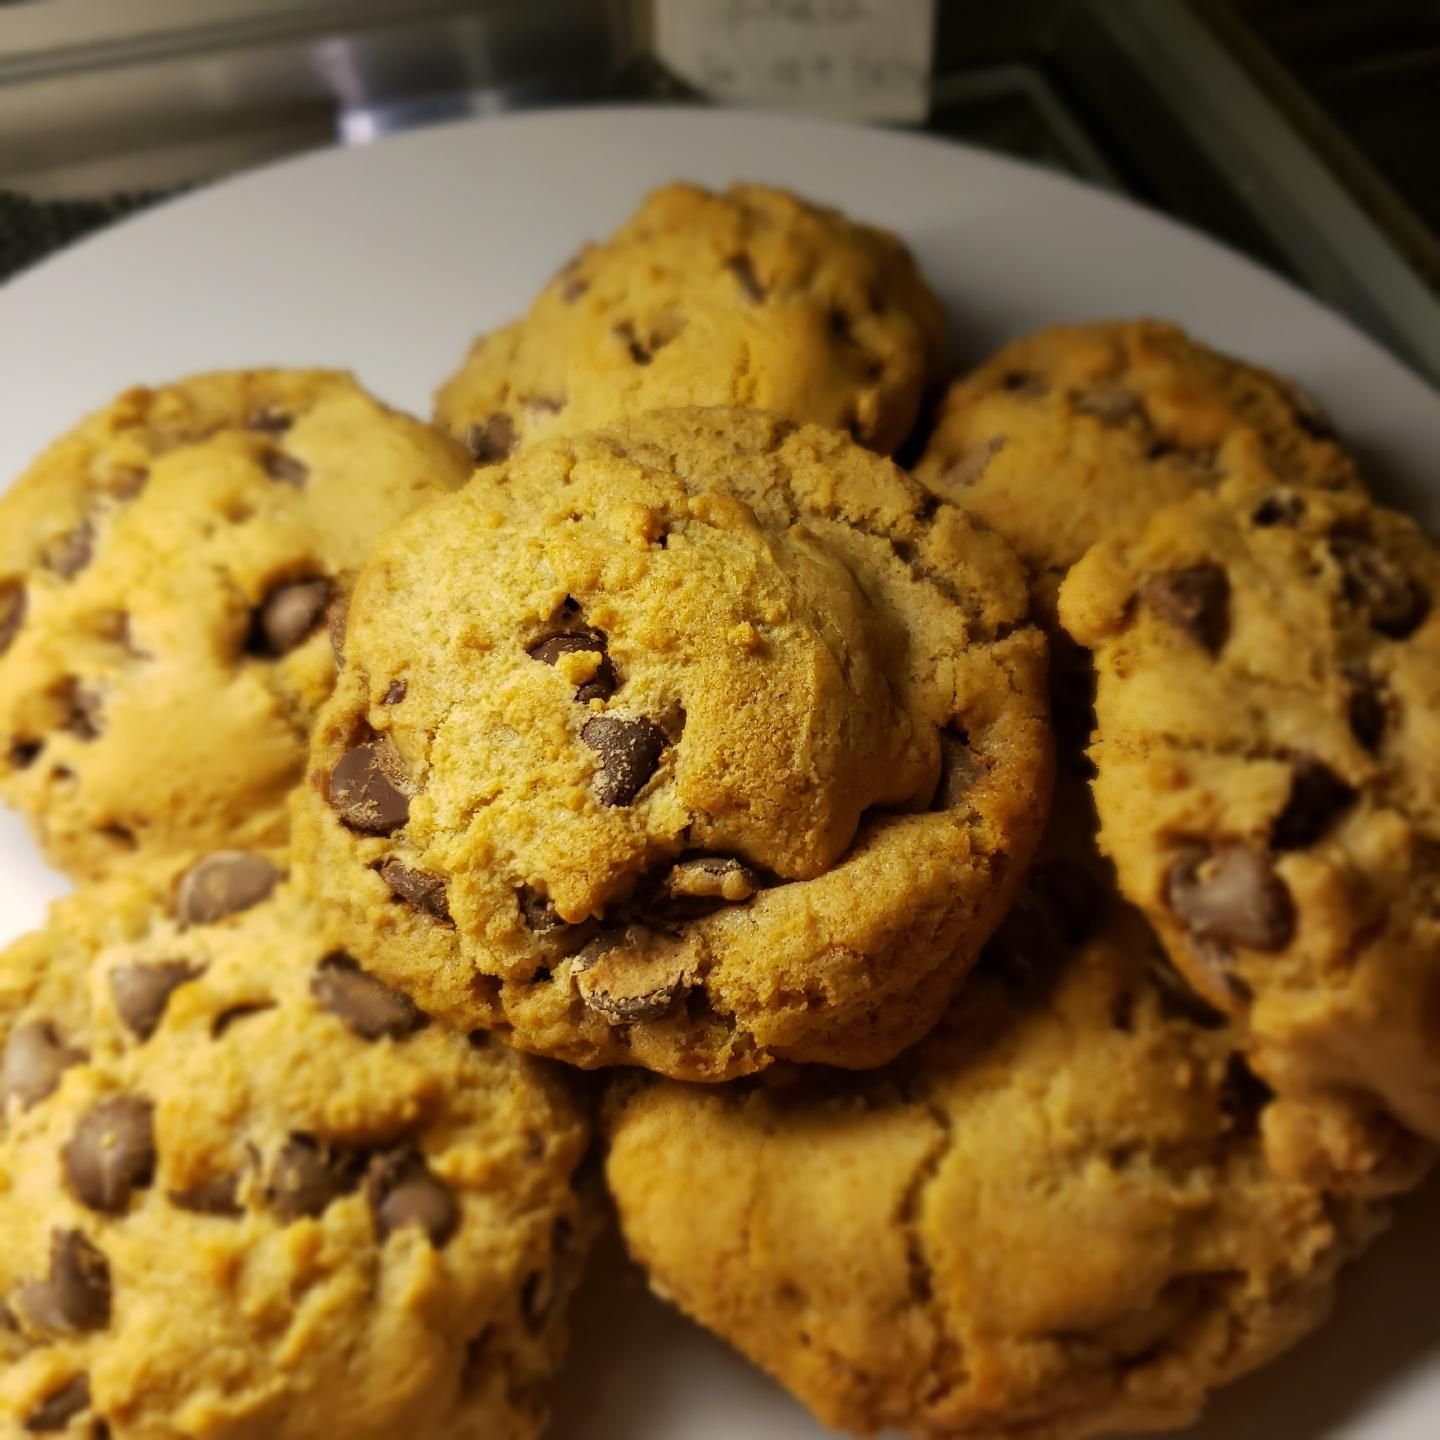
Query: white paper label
{"type": "Point", "coordinates": [869, 59]}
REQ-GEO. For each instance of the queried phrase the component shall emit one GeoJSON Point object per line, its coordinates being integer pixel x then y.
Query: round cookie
{"type": "Point", "coordinates": [691, 744]}
{"type": "Point", "coordinates": [1052, 1219]}
{"type": "Point", "coordinates": [751, 297]}
{"type": "Point", "coordinates": [165, 575]}
{"type": "Point", "coordinates": [1075, 434]}
{"type": "Point", "coordinates": [248, 1190]}
{"type": "Point", "coordinates": [1267, 780]}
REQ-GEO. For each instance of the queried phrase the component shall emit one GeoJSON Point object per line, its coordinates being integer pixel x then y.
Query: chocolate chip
{"type": "Point", "coordinates": [1317, 798]}
{"type": "Point", "coordinates": [286, 468]}
{"type": "Point", "coordinates": [551, 934]}
{"type": "Point", "coordinates": [418, 888]}
{"type": "Point", "coordinates": [1282, 508]}
{"type": "Point", "coordinates": [601, 685]}
{"type": "Point", "coordinates": [1026, 386]}
{"type": "Point", "coordinates": [640, 353]}
{"type": "Point", "coordinates": [269, 420]}
{"type": "Point", "coordinates": [960, 768]}
{"type": "Point", "coordinates": [60, 1407]}
{"type": "Point", "coordinates": [364, 791]}
{"type": "Point", "coordinates": [288, 615]}
{"type": "Point", "coordinates": [403, 1191]}
{"type": "Point", "coordinates": [308, 1174]}
{"type": "Point", "coordinates": [141, 992]}
{"type": "Point", "coordinates": [24, 753]}
{"type": "Point", "coordinates": [12, 613]}
{"type": "Point", "coordinates": [127, 481]}
{"type": "Point", "coordinates": [1178, 1000]}
{"type": "Point", "coordinates": [573, 289]}
{"type": "Point", "coordinates": [75, 1297]}
{"type": "Point", "coordinates": [111, 1153]}
{"type": "Point", "coordinates": [493, 441]}
{"type": "Point", "coordinates": [543, 404]}
{"type": "Point", "coordinates": [221, 884]}
{"type": "Point", "coordinates": [67, 555]}
{"type": "Point", "coordinates": [1231, 894]}
{"type": "Point", "coordinates": [335, 618]}
{"type": "Point", "coordinates": [967, 470]}
{"type": "Point", "coordinates": [1396, 603]}
{"type": "Point", "coordinates": [1366, 708]}
{"type": "Point", "coordinates": [743, 269]}
{"type": "Point", "coordinates": [219, 1196]}
{"type": "Point", "coordinates": [1196, 598]}
{"type": "Point", "coordinates": [35, 1059]}
{"type": "Point", "coordinates": [712, 878]}
{"type": "Point", "coordinates": [1109, 403]}
{"type": "Point", "coordinates": [631, 975]}
{"type": "Point", "coordinates": [227, 1017]}
{"type": "Point", "coordinates": [629, 751]}
{"type": "Point", "coordinates": [367, 1005]}
{"type": "Point", "coordinates": [394, 693]}
{"type": "Point", "coordinates": [82, 709]}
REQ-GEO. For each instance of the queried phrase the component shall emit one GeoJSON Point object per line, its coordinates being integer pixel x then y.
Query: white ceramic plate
{"type": "Point", "coordinates": [388, 259]}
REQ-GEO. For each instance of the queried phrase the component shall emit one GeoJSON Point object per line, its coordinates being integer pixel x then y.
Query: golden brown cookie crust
{"type": "Point", "coordinates": [1081, 433]}
{"type": "Point", "coordinates": [803, 634]}
{"type": "Point", "coordinates": [1269, 678]}
{"type": "Point", "coordinates": [1052, 1219]}
{"type": "Point", "coordinates": [247, 1190]}
{"type": "Point", "coordinates": [751, 297]}
{"type": "Point", "coordinates": [165, 573]}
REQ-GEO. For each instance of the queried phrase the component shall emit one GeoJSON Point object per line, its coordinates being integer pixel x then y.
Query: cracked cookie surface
{"type": "Point", "coordinates": [691, 744]}
{"type": "Point", "coordinates": [166, 570]}
{"type": "Point", "coordinates": [247, 1190]}
{"type": "Point", "coordinates": [750, 297]}
{"type": "Point", "coordinates": [1054, 1218]}
{"type": "Point", "coordinates": [1268, 685]}
{"type": "Point", "coordinates": [1081, 433]}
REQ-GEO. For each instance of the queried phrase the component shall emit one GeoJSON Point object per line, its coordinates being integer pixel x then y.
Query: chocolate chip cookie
{"type": "Point", "coordinates": [692, 744]}
{"type": "Point", "coordinates": [1075, 434]}
{"type": "Point", "coordinates": [1269, 687]}
{"type": "Point", "coordinates": [750, 297]}
{"type": "Point", "coordinates": [248, 1189]}
{"type": "Point", "coordinates": [1053, 1218]}
{"type": "Point", "coordinates": [166, 574]}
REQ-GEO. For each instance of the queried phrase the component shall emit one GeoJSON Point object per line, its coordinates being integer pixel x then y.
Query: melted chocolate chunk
{"type": "Point", "coordinates": [418, 888]}
{"type": "Point", "coordinates": [1195, 598]}
{"type": "Point", "coordinates": [35, 1059]}
{"type": "Point", "coordinates": [1231, 894]}
{"type": "Point", "coordinates": [365, 791]}
{"type": "Point", "coordinates": [629, 751]}
{"type": "Point", "coordinates": [142, 991]}
{"type": "Point", "coordinates": [367, 1005]}
{"type": "Point", "coordinates": [403, 1191]}
{"type": "Point", "coordinates": [75, 1297]}
{"type": "Point", "coordinates": [223, 883]}
{"type": "Point", "coordinates": [111, 1153]}
{"type": "Point", "coordinates": [307, 1175]}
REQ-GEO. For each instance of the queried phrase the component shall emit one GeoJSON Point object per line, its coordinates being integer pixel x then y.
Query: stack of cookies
{"type": "Point", "coordinates": [981, 924]}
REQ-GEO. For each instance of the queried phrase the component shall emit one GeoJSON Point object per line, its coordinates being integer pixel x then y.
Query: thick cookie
{"type": "Point", "coordinates": [1052, 1219]}
{"type": "Point", "coordinates": [1077, 434]}
{"type": "Point", "coordinates": [691, 744]}
{"type": "Point", "coordinates": [1268, 782]}
{"type": "Point", "coordinates": [165, 574]}
{"type": "Point", "coordinates": [752, 298]}
{"type": "Point", "coordinates": [248, 1190]}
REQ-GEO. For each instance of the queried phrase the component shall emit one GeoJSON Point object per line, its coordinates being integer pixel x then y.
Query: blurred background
{"type": "Point", "coordinates": [1301, 131]}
